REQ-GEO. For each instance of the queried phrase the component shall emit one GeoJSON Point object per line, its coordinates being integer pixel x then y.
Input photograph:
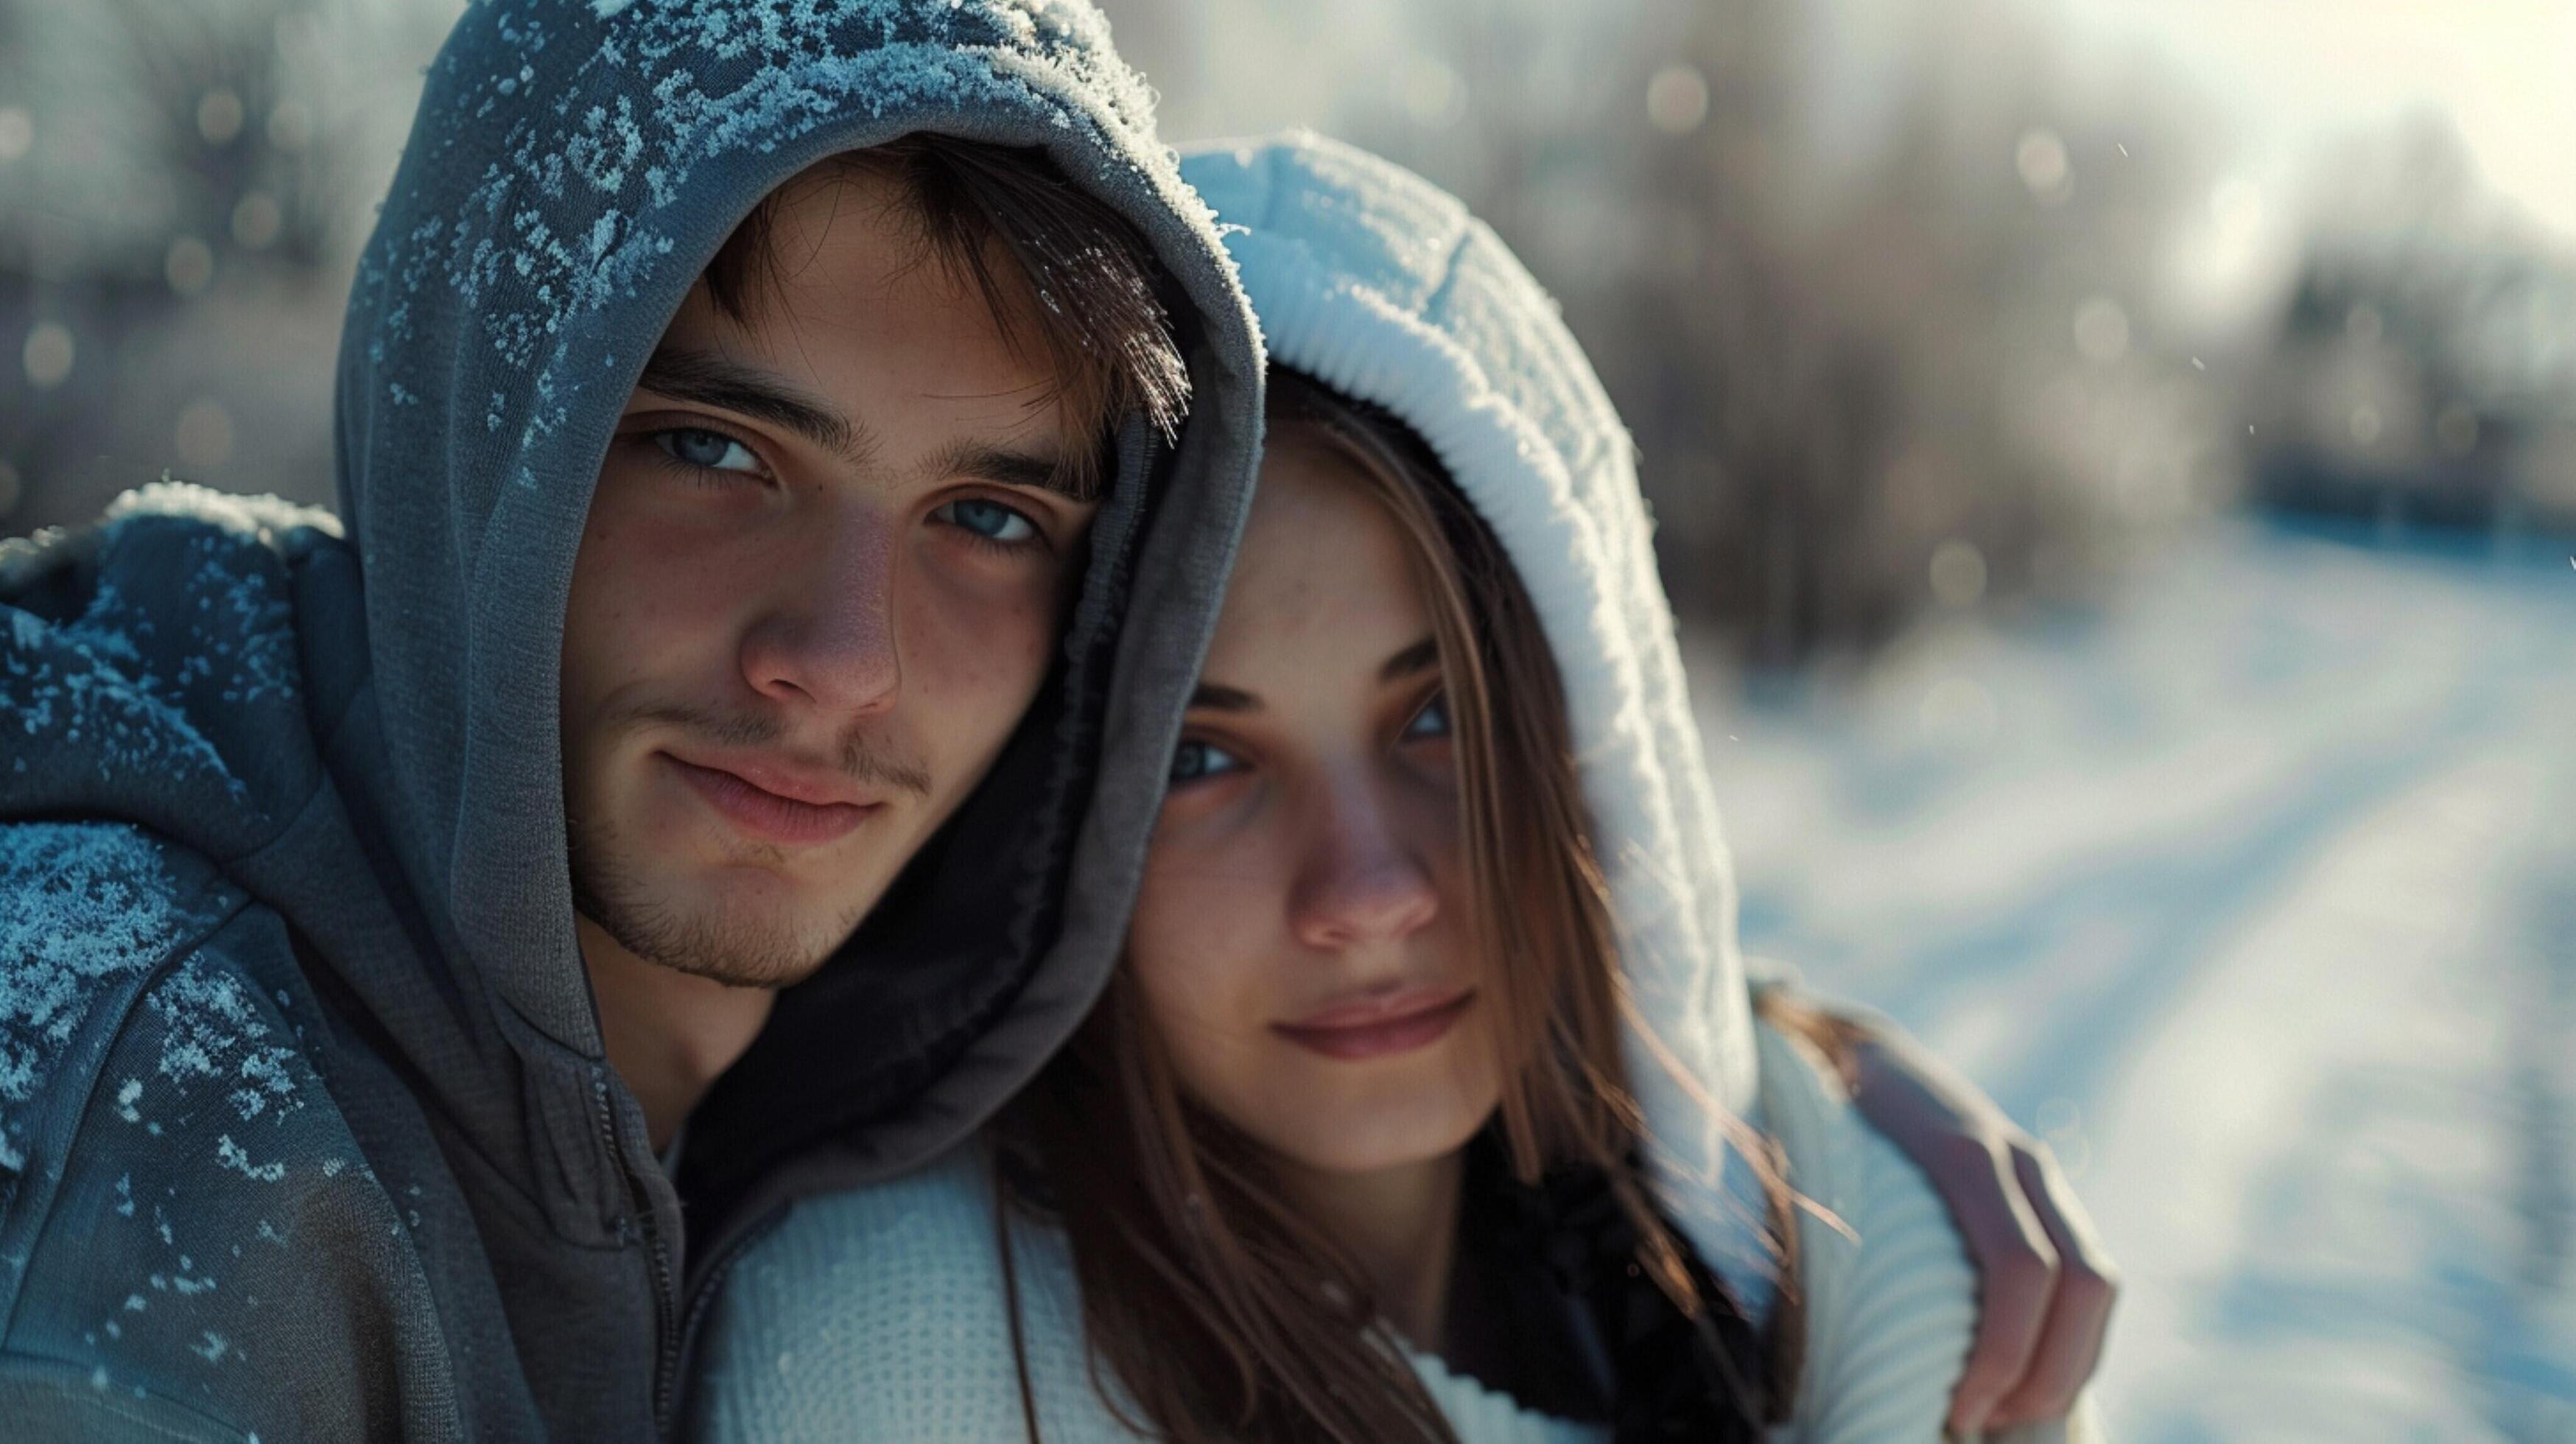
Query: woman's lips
{"type": "Point", "coordinates": [765, 814]}
{"type": "Point", "coordinates": [1380, 1028]}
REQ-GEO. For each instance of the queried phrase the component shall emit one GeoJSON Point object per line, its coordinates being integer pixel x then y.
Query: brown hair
{"type": "Point", "coordinates": [1077, 268]}
{"type": "Point", "coordinates": [1219, 1310]}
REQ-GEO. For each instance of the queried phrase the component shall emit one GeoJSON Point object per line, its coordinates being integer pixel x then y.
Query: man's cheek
{"type": "Point", "coordinates": [973, 669]}
{"type": "Point", "coordinates": [653, 600]}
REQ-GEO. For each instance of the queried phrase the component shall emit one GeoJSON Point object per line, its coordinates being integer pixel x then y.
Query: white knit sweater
{"type": "Point", "coordinates": [880, 1315]}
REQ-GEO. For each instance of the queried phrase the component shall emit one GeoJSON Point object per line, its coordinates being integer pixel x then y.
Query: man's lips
{"type": "Point", "coordinates": [1380, 1027]}
{"type": "Point", "coordinates": [775, 804]}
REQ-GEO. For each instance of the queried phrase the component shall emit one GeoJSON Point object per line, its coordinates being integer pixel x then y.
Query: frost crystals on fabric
{"type": "Point", "coordinates": [90, 903]}
{"type": "Point", "coordinates": [589, 193]}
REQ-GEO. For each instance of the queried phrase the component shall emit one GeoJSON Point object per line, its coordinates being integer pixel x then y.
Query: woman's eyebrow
{"type": "Point", "coordinates": [1421, 657]}
{"type": "Point", "coordinates": [1223, 699]}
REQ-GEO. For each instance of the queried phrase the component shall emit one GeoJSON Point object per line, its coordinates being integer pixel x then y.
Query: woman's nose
{"type": "Point", "coordinates": [829, 638]}
{"type": "Point", "coordinates": [1364, 881]}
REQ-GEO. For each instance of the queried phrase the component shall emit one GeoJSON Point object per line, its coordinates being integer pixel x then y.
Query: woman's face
{"type": "Point", "coordinates": [1299, 940]}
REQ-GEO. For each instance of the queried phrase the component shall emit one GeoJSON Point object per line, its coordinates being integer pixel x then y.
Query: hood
{"type": "Point", "coordinates": [1379, 284]}
{"type": "Point", "coordinates": [572, 169]}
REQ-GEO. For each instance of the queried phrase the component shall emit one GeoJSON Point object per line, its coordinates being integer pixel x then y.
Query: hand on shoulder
{"type": "Point", "coordinates": [1886, 1239]}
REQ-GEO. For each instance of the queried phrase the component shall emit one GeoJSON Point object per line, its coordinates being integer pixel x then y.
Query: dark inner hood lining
{"type": "Point", "coordinates": [961, 931]}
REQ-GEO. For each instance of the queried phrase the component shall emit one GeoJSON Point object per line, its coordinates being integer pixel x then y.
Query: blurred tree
{"type": "Point", "coordinates": [1845, 347]}
{"type": "Point", "coordinates": [174, 237]}
{"type": "Point", "coordinates": [1823, 354]}
{"type": "Point", "coordinates": [2424, 366]}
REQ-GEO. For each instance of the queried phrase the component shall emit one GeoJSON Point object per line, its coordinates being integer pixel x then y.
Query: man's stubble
{"type": "Point", "coordinates": [614, 890]}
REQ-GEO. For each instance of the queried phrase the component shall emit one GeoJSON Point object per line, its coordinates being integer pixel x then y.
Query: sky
{"type": "Point", "coordinates": [2303, 71]}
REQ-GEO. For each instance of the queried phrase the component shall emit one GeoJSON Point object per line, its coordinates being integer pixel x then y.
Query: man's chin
{"type": "Point", "coordinates": [745, 931]}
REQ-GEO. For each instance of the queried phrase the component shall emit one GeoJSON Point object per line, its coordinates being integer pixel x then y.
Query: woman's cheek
{"type": "Point", "coordinates": [1198, 940]}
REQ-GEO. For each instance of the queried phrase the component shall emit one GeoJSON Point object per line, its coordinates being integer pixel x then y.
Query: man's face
{"type": "Point", "coordinates": [820, 582]}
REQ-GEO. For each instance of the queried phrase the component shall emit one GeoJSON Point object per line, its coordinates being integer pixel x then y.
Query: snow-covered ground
{"type": "Point", "coordinates": [2255, 894]}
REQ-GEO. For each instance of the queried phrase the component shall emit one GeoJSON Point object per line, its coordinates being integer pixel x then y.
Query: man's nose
{"type": "Point", "coordinates": [829, 637]}
{"type": "Point", "coordinates": [1364, 880]}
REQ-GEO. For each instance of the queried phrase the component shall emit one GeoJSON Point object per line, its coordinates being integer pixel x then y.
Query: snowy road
{"type": "Point", "coordinates": [2256, 895]}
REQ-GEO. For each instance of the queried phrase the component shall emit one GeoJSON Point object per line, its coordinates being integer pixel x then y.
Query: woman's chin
{"type": "Point", "coordinates": [1336, 1116]}
{"type": "Point", "coordinates": [1363, 1139]}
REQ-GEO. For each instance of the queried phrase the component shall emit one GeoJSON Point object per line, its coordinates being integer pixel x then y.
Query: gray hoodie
{"type": "Point", "coordinates": [305, 1127]}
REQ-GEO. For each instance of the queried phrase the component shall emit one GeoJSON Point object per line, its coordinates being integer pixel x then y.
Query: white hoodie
{"type": "Point", "coordinates": [879, 1315]}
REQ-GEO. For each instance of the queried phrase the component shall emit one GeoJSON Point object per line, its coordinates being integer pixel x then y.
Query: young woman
{"type": "Point", "coordinates": [1428, 1103]}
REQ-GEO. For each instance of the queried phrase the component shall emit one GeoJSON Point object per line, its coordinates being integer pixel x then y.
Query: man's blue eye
{"type": "Point", "coordinates": [1193, 761]}
{"type": "Point", "coordinates": [1431, 721]}
{"type": "Point", "coordinates": [990, 520]}
{"type": "Point", "coordinates": [706, 450]}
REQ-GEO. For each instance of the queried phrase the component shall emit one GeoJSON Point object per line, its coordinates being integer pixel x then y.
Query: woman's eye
{"type": "Point", "coordinates": [706, 450]}
{"type": "Point", "coordinates": [989, 520]}
{"type": "Point", "coordinates": [1431, 721]}
{"type": "Point", "coordinates": [1195, 761]}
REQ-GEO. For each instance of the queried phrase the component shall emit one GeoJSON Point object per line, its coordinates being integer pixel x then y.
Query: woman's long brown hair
{"type": "Point", "coordinates": [1213, 1310]}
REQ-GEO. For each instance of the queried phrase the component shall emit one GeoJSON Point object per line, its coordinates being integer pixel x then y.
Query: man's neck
{"type": "Point", "coordinates": [1400, 1225]}
{"type": "Point", "coordinates": [669, 1033]}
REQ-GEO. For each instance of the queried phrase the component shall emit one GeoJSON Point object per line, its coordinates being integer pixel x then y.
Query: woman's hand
{"type": "Point", "coordinates": [2045, 1284]}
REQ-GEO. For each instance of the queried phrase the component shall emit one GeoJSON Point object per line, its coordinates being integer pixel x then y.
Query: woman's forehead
{"type": "Point", "coordinates": [1324, 577]}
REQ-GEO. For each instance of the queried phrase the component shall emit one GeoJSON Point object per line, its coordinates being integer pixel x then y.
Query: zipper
{"type": "Point", "coordinates": [666, 1307]}
{"type": "Point", "coordinates": [666, 1343]}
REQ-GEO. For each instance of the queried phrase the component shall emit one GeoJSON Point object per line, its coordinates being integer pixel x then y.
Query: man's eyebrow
{"type": "Point", "coordinates": [1421, 657]}
{"type": "Point", "coordinates": [1223, 699]}
{"type": "Point", "coordinates": [711, 380]}
{"type": "Point", "coordinates": [1006, 467]}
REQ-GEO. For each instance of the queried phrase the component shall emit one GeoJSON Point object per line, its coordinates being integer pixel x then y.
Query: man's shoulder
{"type": "Point", "coordinates": [162, 548]}
{"type": "Point", "coordinates": [184, 1209]}
{"type": "Point", "coordinates": [161, 664]}
{"type": "Point", "coordinates": [287, 529]}
{"type": "Point", "coordinates": [148, 1006]}
{"type": "Point", "coordinates": [90, 911]}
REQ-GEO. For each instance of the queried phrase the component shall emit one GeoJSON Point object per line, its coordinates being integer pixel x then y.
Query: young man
{"type": "Point", "coordinates": [725, 605]}
{"type": "Point", "coordinates": [701, 605]}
